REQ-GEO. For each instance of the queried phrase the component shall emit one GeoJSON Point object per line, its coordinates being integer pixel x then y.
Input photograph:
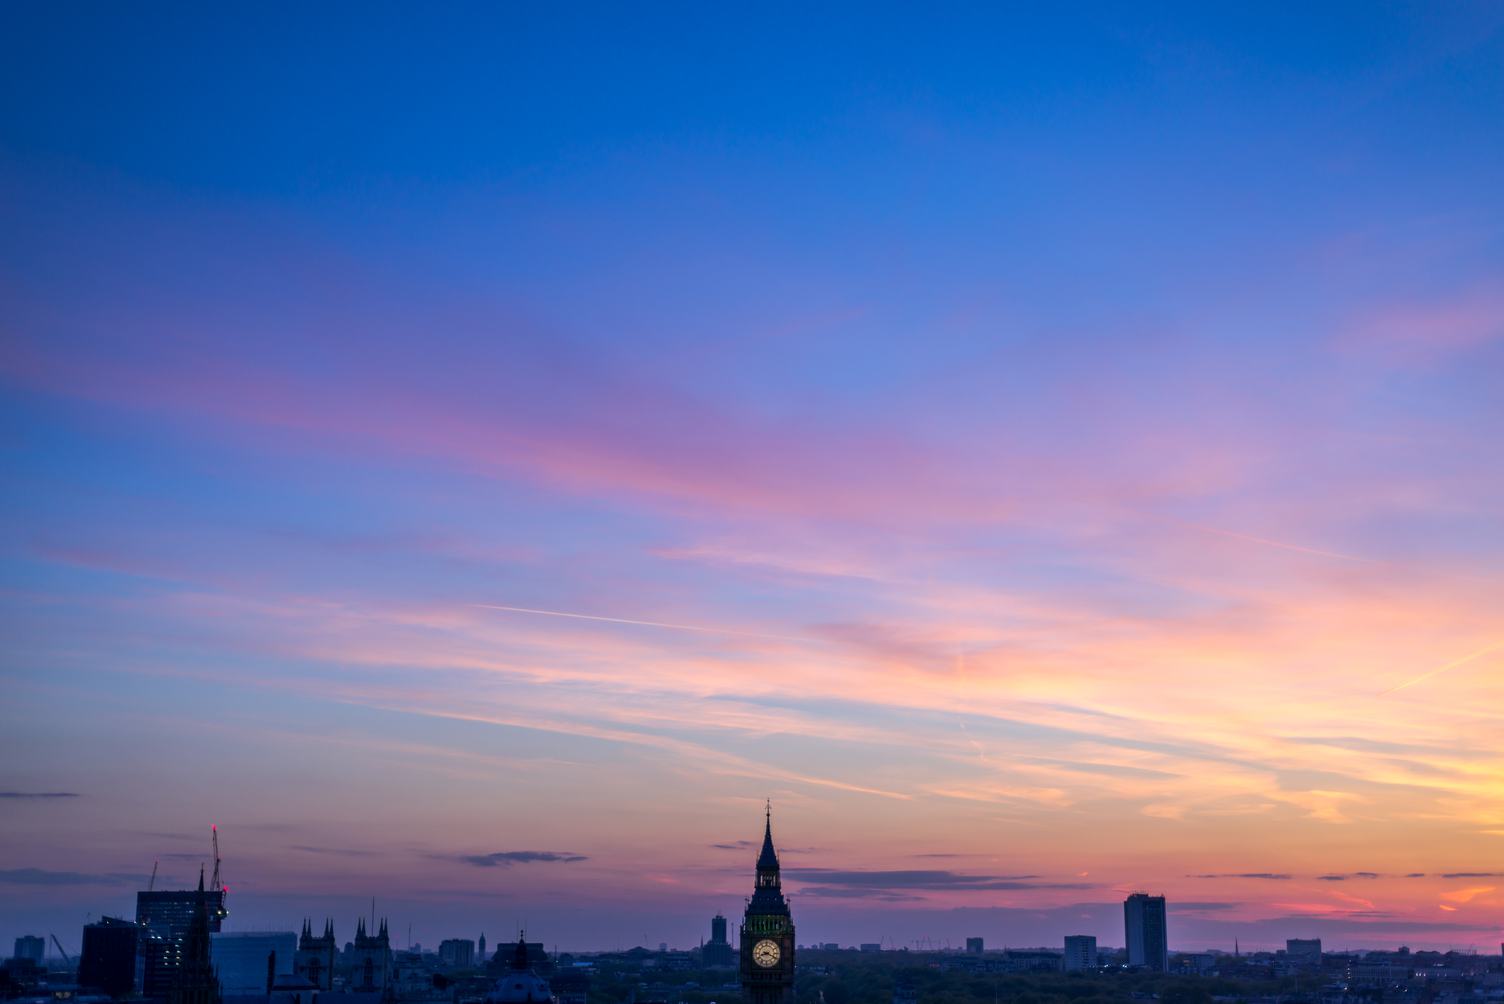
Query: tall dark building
{"type": "Point", "coordinates": [165, 917]}
{"type": "Point", "coordinates": [717, 952]}
{"type": "Point", "coordinates": [107, 962]}
{"type": "Point", "coordinates": [31, 948]}
{"type": "Point", "coordinates": [1145, 931]}
{"type": "Point", "coordinates": [767, 935]}
{"type": "Point", "coordinates": [195, 982]}
{"type": "Point", "coordinates": [457, 953]}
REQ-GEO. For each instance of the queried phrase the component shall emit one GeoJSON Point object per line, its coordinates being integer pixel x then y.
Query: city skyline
{"type": "Point", "coordinates": [169, 910]}
{"type": "Point", "coordinates": [476, 457]}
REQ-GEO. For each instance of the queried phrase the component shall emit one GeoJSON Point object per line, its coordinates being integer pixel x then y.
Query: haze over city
{"type": "Point", "coordinates": [477, 456]}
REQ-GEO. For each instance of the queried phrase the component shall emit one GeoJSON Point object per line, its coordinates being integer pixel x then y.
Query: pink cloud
{"type": "Point", "coordinates": [1430, 330]}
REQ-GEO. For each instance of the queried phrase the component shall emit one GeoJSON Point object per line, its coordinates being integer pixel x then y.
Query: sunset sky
{"type": "Point", "coordinates": [476, 458]}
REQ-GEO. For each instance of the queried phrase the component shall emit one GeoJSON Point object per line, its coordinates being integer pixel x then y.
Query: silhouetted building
{"type": "Point", "coordinates": [717, 953]}
{"type": "Point", "coordinates": [31, 948]}
{"type": "Point", "coordinates": [249, 962]}
{"type": "Point", "coordinates": [166, 915]}
{"type": "Point", "coordinates": [313, 963]}
{"type": "Point", "coordinates": [767, 934]}
{"type": "Point", "coordinates": [974, 946]}
{"type": "Point", "coordinates": [538, 960]}
{"type": "Point", "coordinates": [457, 952]}
{"type": "Point", "coordinates": [1145, 931]}
{"type": "Point", "coordinates": [1080, 953]}
{"type": "Point", "coordinates": [194, 981]}
{"type": "Point", "coordinates": [371, 959]}
{"type": "Point", "coordinates": [1304, 952]}
{"type": "Point", "coordinates": [480, 951]}
{"type": "Point", "coordinates": [520, 984]}
{"type": "Point", "coordinates": [107, 962]}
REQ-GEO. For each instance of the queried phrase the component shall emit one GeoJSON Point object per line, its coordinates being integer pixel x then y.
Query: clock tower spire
{"type": "Point", "coordinates": [767, 935]}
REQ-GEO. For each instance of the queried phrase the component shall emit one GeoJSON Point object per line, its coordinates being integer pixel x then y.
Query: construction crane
{"type": "Point", "coordinates": [60, 950]}
{"type": "Point", "coordinates": [151, 883]}
{"type": "Point", "coordinates": [220, 911]}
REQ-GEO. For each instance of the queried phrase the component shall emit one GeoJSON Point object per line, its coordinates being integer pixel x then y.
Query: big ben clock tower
{"type": "Point", "coordinates": [767, 933]}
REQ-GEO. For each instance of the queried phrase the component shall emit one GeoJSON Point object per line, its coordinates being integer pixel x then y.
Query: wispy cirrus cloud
{"type": "Point", "coordinates": [882, 895]}
{"type": "Point", "coordinates": [45, 877]}
{"type": "Point", "coordinates": [932, 880]}
{"type": "Point", "coordinates": [43, 795]}
{"type": "Point", "coordinates": [1433, 329]}
{"type": "Point", "coordinates": [338, 852]}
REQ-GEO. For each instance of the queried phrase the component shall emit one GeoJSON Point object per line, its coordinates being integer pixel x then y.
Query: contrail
{"type": "Point", "coordinates": [657, 624]}
{"type": "Point", "coordinates": [1442, 669]}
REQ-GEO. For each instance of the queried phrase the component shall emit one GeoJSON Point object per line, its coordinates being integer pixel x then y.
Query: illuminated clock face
{"type": "Point", "coordinates": [765, 953]}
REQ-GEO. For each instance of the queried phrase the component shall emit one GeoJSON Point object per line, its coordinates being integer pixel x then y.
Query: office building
{"type": "Point", "coordinates": [165, 917]}
{"type": "Point", "coordinates": [1145, 932]}
{"type": "Point", "coordinates": [1080, 953]}
{"type": "Point", "coordinates": [457, 953]}
{"type": "Point", "coordinates": [249, 962]}
{"type": "Point", "coordinates": [30, 948]}
{"type": "Point", "coordinates": [717, 953]}
{"type": "Point", "coordinates": [974, 946]}
{"type": "Point", "coordinates": [107, 962]}
{"type": "Point", "coordinates": [1304, 952]}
